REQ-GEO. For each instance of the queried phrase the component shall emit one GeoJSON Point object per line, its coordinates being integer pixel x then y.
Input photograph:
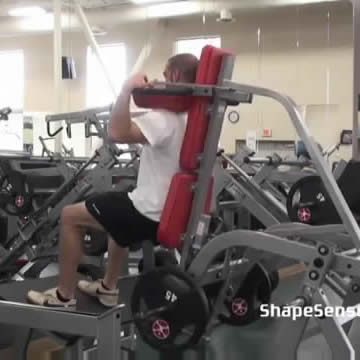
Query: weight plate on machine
{"type": "Point", "coordinates": [308, 202]}
{"type": "Point", "coordinates": [243, 307]}
{"type": "Point", "coordinates": [15, 194]}
{"type": "Point", "coordinates": [169, 309]}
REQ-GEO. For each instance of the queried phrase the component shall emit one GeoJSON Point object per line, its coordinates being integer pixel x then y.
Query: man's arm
{"type": "Point", "coordinates": [121, 129]}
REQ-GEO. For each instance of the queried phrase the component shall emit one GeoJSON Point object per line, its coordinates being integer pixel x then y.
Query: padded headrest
{"type": "Point", "coordinates": [208, 74]}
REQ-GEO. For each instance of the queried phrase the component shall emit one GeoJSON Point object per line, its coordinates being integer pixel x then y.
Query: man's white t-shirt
{"type": "Point", "coordinates": [159, 161]}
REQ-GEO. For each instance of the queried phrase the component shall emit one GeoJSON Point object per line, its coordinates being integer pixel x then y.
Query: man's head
{"type": "Point", "coordinates": [181, 68]}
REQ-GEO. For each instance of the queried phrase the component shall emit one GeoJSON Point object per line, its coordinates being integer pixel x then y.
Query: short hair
{"type": "Point", "coordinates": [187, 64]}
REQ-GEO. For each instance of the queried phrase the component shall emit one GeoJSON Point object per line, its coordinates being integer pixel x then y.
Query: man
{"type": "Point", "coordinates": [127, 218]}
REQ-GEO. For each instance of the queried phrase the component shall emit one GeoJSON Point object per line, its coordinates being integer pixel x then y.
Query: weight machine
{"type": "Point", "coordinates": [270, 174]}
{"type": "Point", "coordinates": [241, 197]}
{"type": "Point", "coordinates": [105, 170]}
{"type": "Point", "coordinates": [165, 315]}
{"type": "Point", "coordinates": [223, 278]}
{"type": "Point", "coordinates": [26, 181]}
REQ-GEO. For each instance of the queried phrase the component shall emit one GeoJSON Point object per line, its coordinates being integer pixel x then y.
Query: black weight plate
{"type": "Point", "coordinates": [18, 192]}
{"type": "Point", "coordinates": [308, 202]}
{"type": "Point", "coordinates": [169, 309]}
{"type": "Point", "coordinates": [243, 307]}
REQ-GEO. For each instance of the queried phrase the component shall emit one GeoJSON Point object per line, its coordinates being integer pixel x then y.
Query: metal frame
{"type": "Point", "coordinates": [256, 246]}
{"type": "Point", "coordinates": [97, 179]}
{"type": "Point", "coordinates": [250, 192]}
{"type": "Point", "coordinates": [317, 158]}
{"type": "Point", "coordinates": [223, 94]}
{"type": "Point", "coordinates": [207, 162]}
{"type": "Point", "coordinates": [198, 255]}
{"type": "Point", "coordinates": [106, 327]}
{"type": "Point", "coordinates": [356, 79]}
{"type": "Point", "coordinates": [339, 263]}
{"type": "Point", "coordinates": [57, 63]}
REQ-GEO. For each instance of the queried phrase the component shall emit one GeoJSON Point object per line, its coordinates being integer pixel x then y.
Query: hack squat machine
{"type": "Point", "coordinates": [223, 276]}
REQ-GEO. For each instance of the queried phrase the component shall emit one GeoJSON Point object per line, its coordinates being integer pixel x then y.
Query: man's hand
{"type": "Point", "coordinates": [121, 129]}
{"type": "Point", "coordinates": [138, 80]}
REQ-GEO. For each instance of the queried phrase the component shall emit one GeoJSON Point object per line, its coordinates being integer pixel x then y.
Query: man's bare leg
{"type": "Point", "coordinates": [75, 219]}
{"type": "Point", "coordinates": [116, 258]}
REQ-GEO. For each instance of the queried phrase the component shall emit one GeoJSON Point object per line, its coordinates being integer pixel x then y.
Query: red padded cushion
{"type": "Point", "coordinates": [197, 123]}
{"type": "Point", "coordinates": [177, 209]}
{"type": "Point", "coordinates": [165, 102]}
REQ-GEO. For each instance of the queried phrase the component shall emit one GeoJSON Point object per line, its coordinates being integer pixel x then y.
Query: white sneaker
{"type": "Point", "coordinates": [108, 298]}
{"type": "Point", "coordinates": [50, 299]}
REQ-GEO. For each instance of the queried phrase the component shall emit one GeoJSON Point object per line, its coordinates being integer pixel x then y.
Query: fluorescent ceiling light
{"type": "Point", "coordinates": [177, 8]}
{"type": "Point", "coordinates": [43, 23]}
{"type": "Point", "coordinates": [142, 2]}
{"type": "Point", "coordinates": [27, 11]}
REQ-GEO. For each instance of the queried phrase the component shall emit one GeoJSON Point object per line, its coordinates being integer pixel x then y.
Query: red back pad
{"type": "Point", "coordinates": [198, 118]}
{"type": "Point", "coordinates": [177, 209]}
{"type": "Point", "coordinates": [165, 102]}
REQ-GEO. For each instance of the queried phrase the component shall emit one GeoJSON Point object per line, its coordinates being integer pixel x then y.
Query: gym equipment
{"type": "Point", "coordinates": [243, 306]}
{"type": "Point", "coordinates": [169, 309]}
{"type": "Point", "coordinates": [186, 219]}
{"type": "Point", "coordinates": [185, 225]}
{"type": "Point", "coordinates": [270, 173]}
{"type": "Point", "coordinates": [26, 181]}
{"type": "Point", "coordinates": [15, 193]}
{"type": "Point", "coordinates": [247, 193]}
{"type": "Point", "coordinates": [199, 248]}
{"type": "Point", "coordinates": [111, 328]}
{"type": "Point", "coordinates": [4, 113]}
{"type": "Point", "coordinates": [309, 202]}
{"type": "Point", "coordinates": [277, 181]}
{"type": "Point", "coordinates": [104, 171]}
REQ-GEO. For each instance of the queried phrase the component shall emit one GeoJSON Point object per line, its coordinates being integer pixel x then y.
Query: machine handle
{"type": "Point", "coordinates": [4, 113]}
{"type": "Point", "coordinates": [55, 132]}
{"type": "Point", "coordinates": [68, 130]}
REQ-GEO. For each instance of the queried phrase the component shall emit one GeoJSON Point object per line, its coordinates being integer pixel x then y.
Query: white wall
{"type": "Point", "coordinates": [305, 52]}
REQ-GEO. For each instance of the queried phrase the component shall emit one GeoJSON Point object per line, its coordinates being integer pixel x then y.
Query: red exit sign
{"type": "Point", "coordinates": [267, 133]}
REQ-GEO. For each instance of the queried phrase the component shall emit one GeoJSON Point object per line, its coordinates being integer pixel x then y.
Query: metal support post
{"type": "Point", "coordinates": [94, 45]}
{"type": "Point", "coordinates": [57, 67]}
{"type": "Point", "coordinates": [356, 84]}
{"type": "Point", "coordinates": [109, 335]}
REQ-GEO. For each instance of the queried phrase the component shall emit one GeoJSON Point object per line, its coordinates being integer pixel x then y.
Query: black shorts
{"type": "Point", "coordinates": [118, 216]}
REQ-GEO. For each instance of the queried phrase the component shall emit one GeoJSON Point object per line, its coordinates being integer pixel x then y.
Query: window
{"type": "Point", "coordinates": [12, 79]}
{"type": "Point", "coordinates": [195, 45]}
{"type": "Point", "coordinates": [98, 92]}
{"type": "Point", "coordinates": [12, 95]}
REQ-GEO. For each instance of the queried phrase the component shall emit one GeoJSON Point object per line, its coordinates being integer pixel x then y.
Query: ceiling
{"type": "Point", "coordinates": [103, 13]}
